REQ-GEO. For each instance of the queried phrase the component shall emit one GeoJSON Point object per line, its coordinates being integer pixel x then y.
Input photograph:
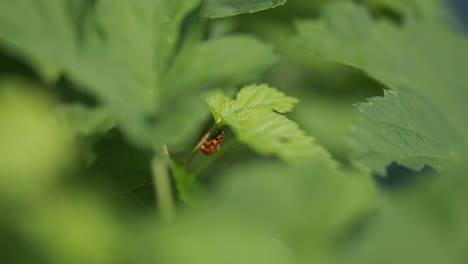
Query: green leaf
{"type": "Point", "coordinates": [255, 118]}
{"type": "Point", "coordinates": [220, 105]}
{"type": "Point", "coordinates": [421, 244]}
{"type": "Point", "coordinates": [291, 213]}
{"type": "Point", "coordinates": [85, 120]}
{"type": "Point", "coordinates": [199, 65]}
{"type": "Point", "coordinates": [188, 189]}
{"type": "Point", "coordinates": [289, 201]}
{"type": "Point", "coordinates": [114, 174]}
{"type": "Point", "coordinates": [138, 67]}
{"type": "Point", "coordinates": [252, 97]}
{"type": "Point", "coordinates": [332, 118]}
{"type": "Point", "coordinates": [403, 129]}
{"type": "Point", "coordinates": [176, 124]}
{"type": "Point", "coordinates": [41, 32]}
{"type": "Point", "coordinates": [221, 8]}
{"type": "Point", "coordinates": [35, 146]}
{"type": "Point", "coordinates": [429, 216]}
{"type": "Point", "coordinates": [169, 16]}
{"type": "Point", "coordinates": [257, 97]}
{"type": "Point", "coordinates": [121, 60]}
{"type": "Point", "coordinates": [117, 60]}
{"type": "Point", "coordinates": [420, 57]}
{"type": "Point", "coordinates": [270, 133]}
{"type": "Point", "coordinates": [428, 10]}
{"type": "Point", "coordinates": [227, 61]}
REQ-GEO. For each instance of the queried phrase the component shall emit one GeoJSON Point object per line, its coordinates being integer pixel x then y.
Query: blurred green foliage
{"type": "Point", "coordinates": [102, 102]}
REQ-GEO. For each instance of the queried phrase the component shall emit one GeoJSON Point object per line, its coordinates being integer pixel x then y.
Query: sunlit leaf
{"type": "Point", "coordinates": [255, 118]}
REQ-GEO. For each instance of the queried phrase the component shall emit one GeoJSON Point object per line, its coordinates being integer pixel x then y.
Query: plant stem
{"type": "Point", "coordinates": [162, 187]}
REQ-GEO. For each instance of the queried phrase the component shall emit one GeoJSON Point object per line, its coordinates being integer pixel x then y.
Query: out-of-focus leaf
{"type": "Point", "coordinates": [402, 129]}
{"type": "Point", "coordinates": [428, 10]}
{"type": "Point", "coordinates": [34, 146]}
{"type": "Point", "coordinates": [328, 119]}
{"type": "Point", "coordinates": [435, 204]}
{"type": "Point", "coordinates": [215, 239]}
{"type": "Point", "coordinates": [117, 60]}
{"type": "Point", "coordinates": [286, 214]}
{"type": "Point", "coordinates": [419, 57]}
{"type": "Point", "coordinates": [60, 228]}
{"type": "Point", "coordinates": [221, 8]}
{"type": "Point", "coordinates": [169, 16]}
{"type": "Point", "coordinates": [396, 237]}
{"type": "Point", "coordinates": [144, 43]}
{"type": "Point", "coordinates": [226, 61]}
{"type": "Point", "coordinates": [86, 120]}
{"type": "Point", "coordinates": [41, 32]}
{"type": "Point", "coordinates": [304, 185]}
{"type": "Point", "coordinates": [116, 166]}
{"type": "Point", "coordinates": [428, 216]}
{"type": "Point", "coordinates": [255, 117]}
{"type": "Point", "coordinates": [178, 122]}
{"type": "Point", "coordinates": [188, 189]}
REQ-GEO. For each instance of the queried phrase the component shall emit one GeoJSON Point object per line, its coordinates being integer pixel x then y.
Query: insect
{"type": "Point", "coordinates": [213, 143]}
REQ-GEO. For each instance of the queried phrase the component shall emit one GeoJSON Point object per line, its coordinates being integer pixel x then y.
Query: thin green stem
{"type": "Point", "coordinates": [131, 189]}
{"type": "Point", "coordinates": [162, 186]}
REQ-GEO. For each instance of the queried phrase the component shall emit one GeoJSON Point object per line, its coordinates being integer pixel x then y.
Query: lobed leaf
{"type": "Point", "coordinates": [403, 129]}
{"type": "Point", "coordinates": [252, 117]}
{"type": "Point", "coordinates": [272, 134]}
{"type": "Point", "coordinates": [263, 97]}
{"type": "Point", "coordinates": [220, 105]}
{"type": "Point", "coordinates": [422, 56]}
{"type": "Point", "coordinates": [252, 97]}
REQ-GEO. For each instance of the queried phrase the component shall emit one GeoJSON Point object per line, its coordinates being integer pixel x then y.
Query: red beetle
{"type": "Point", "coordinates": [212, 144]}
